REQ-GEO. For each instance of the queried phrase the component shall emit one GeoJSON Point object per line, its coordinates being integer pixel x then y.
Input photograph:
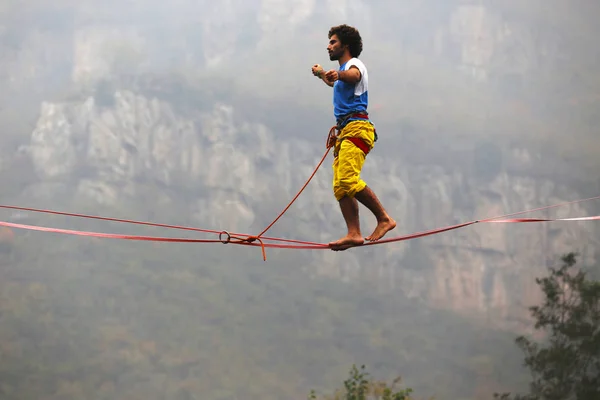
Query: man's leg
{"type": "Point", "coordinates": [349, 207]}
{"type": "Point", "coordinates": [345, 166]}
{"type": "Point", "coordinates": [384, 222]}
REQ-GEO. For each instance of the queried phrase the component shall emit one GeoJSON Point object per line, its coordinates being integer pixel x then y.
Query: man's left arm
{"type": "Point", "coordinates": [352, 75]}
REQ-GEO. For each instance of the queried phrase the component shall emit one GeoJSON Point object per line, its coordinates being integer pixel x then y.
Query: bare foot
{"type": "Point", "coordinates": [346, 242]}
{"type": "Point", "coordinates": [383, 227]}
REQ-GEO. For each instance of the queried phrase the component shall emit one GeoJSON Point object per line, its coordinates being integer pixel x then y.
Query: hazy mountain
{"type": "Point", "coordinates": [206, 114]}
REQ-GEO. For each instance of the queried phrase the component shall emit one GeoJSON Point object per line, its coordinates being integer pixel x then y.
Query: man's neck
{"type": "Point", "coordinates": [344, 59]}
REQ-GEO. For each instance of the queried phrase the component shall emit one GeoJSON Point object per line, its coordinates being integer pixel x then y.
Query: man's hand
{"type": "Point", "coordinates": [332, 75]}
{"type": "Point", "coordinates": [318, 71]}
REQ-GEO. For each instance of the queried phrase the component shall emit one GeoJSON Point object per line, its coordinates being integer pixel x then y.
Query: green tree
{"type": "Point", "coordinates": [567, 364]}
{"type": "Point", "coordinates": [360, 387]}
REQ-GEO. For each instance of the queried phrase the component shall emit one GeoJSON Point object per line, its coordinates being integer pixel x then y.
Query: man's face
{"type": "Point", "coordinates": [335, 48]}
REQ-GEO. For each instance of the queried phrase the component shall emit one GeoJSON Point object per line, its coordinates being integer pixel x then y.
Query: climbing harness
{"type": "Point", "coordinates": [358, 142]}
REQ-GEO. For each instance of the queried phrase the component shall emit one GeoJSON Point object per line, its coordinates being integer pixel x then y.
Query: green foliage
{"type": "Point", "coordinates": [567, 364]}
{"type": "Point", "coordinates": [360, 387]}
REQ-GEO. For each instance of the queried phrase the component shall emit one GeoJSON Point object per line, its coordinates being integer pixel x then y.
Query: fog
{"type": "Point", "coordinates": [453, 88]}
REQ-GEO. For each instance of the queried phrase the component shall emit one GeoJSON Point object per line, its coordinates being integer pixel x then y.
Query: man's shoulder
{"type": "Point", "coordinates": [356, 62]}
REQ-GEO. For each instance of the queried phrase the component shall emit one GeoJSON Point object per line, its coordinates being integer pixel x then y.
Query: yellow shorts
{"type": "Point", "coordinates": [349, 161]}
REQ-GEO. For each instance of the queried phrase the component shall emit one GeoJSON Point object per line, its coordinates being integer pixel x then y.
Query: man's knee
{"type": "Point", "coordinates": [347, 169]}
{"type": "Point", "coordinates": [348, 187]}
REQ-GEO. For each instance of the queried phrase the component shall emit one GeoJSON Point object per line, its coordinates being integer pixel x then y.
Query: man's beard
{"type": "Point", "coordinates": [333, 56]}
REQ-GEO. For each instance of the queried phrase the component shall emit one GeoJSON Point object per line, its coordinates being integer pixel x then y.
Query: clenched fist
{"type": "Point", "coordinates": [317, 70]}
{"type": "Point", "coordinates": [332, 75]}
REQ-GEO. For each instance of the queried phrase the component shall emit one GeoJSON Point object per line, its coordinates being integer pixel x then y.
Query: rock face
{"type": "Point", "coordinates": [140, 139]}
{"type": "Point", "coordinates": [237, 175]}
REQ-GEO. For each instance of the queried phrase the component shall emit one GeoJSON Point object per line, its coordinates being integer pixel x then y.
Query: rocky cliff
{"type": "Point", "coordinates": [236, 176]}
{"type": "Point", "coordinates": [225, 171]}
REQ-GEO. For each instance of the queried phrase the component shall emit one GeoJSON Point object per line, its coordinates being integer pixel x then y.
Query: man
{"type": "Point", "coordinates": [356, 136]}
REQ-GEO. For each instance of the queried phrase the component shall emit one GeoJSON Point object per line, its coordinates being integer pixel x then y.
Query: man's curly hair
{"type": "Point", "coordinates": [350, 36]}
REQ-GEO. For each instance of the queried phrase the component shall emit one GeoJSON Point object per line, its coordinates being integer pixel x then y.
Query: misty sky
{"type": "Point", "coordinates": [482, 108]}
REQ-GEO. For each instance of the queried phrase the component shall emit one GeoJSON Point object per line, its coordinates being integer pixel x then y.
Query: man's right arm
{"type": "Point", "coordinates": [324, 79]}
{"type": "Point", "coordinates": [320, 73]}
